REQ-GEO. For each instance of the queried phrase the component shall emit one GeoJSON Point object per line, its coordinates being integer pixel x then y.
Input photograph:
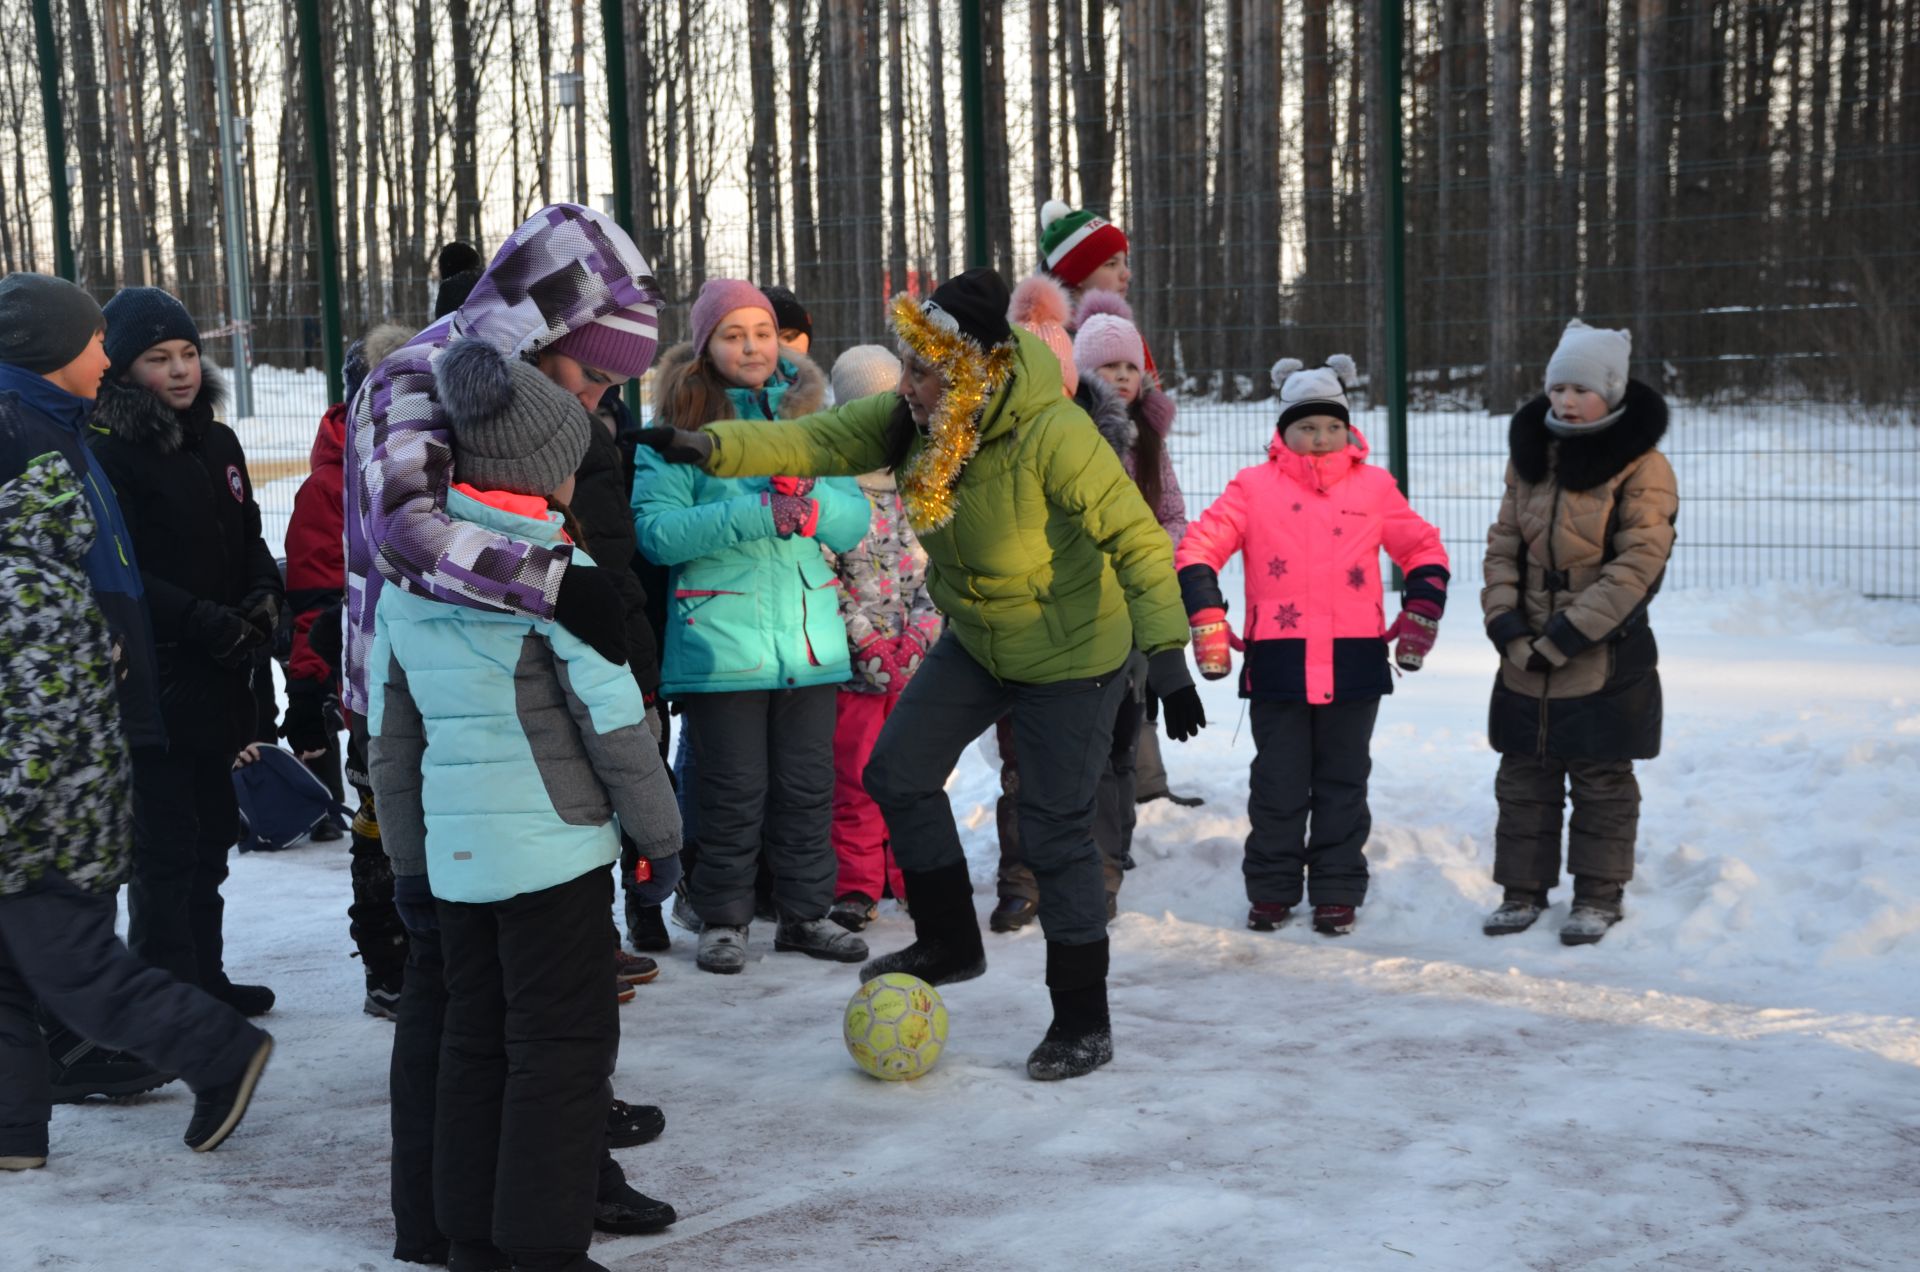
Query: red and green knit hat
{"type": "Point", "coordinates": [1075, 243]}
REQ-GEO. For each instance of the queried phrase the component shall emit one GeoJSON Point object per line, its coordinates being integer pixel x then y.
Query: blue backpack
{"type": "Point", "coordinates": [281, 801]}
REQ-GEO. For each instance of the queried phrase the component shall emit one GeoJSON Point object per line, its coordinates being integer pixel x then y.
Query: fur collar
{"type": "Point", "coordinates": [1110, 414]}
{"type": "Point", "coordinates": [1581, 463]}
{"type": "Point", "coordinates": [140, 418]}
{"type": "Point", "coordinates": [806, 395]}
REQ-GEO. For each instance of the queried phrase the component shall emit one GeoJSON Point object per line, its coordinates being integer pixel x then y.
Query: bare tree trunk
{"type": "Point", "coordinates": [999, 162]}
{"type": "Point", "coordinates": [1537, 294]}
{"type": "Point", "coordinates": [763, 187]}
{"type": "Point", "coordinates": [897, 109]}
{"type": "Point", "coordinates": [133, 230]}
{"type": "Point", "coordinates": [1505, 210]}
{"type": "Point", "coordinates": [577, 179]}
{"type": "Point", "coordinates": [415, 296]}
{"type": "Point", "coordinates": [1316, 117]}
{"type": "Point", "coordinates": [95, 253]}
{"type": "Point", "coordinates": [1085, 34]}
{"type": "Point", "coordinates": [1650, 174]}
{"type": "Point", "coordinates": [939, 150]}
{"type": "Point", "coordinates": [466, 123]}
{"type": "Point", "coordinates": [1040, 90]}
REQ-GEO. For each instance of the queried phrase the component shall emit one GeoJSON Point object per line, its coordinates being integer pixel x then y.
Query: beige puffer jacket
{"type": "Point", "coordinates": [1579, 550]}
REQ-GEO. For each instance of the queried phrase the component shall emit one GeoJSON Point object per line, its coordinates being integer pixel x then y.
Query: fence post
{"type": "Point", "coordinates": [326, 214]}
{"type": "Point", "coordinates": [56, 139]}
{"type": "Point", "coordinates": [973, 137]}
{"type": "Point", "coordinates": [613, 35]}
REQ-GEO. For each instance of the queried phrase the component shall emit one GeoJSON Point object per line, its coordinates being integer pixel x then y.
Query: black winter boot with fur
{"type": "Point", "coordinates": [1080, 1039]}
{"type": "Point", "coordinates": [946, 946]}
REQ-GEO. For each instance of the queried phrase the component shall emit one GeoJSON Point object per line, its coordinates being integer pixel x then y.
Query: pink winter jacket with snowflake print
{"type": "Point", "coordinates": [1311, 531]}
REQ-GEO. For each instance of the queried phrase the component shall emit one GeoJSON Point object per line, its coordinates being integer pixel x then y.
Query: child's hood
{"type": "Point", "coordinates": [330, 443]}
{"type": "Point", "coordinates": [1320, 473]}
{"type": "Point", "coordinates": [518, 516]}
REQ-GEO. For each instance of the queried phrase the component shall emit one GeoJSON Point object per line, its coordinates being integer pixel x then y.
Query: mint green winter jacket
{"type": "Point", "coordinates": [504, 748]}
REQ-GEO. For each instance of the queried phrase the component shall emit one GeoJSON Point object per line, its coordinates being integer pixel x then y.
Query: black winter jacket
{"type": "Point", "coordinates": [182, 482]}
{"type": "Point", "coordinates": [603, 510]}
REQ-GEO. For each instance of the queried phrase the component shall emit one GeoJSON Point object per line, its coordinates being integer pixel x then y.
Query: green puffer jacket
{"type": "Point", "coordinates": [1053, 567]}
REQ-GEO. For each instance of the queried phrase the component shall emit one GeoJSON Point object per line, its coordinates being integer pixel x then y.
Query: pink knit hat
{"type": "Point", "coordinates": [1107, 334]}
{"type": "Point", "coordinates": [719, 297]}
{"type": "Point", "coordinates": [622, 342]}
{"type": "Point", "coordinates": [1040, 306]}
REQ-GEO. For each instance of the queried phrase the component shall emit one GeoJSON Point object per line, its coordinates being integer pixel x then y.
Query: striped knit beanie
{"type": "Point", "coordinates": [1075, 243]}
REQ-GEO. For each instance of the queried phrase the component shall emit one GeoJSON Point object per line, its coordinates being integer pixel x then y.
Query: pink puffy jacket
{"type": "Point", "coordinates": [1311, 531]}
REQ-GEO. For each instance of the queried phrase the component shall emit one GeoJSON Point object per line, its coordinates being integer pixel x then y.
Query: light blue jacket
{"type": "Point", "coordinates": [748, 609]}
{"type": "Point", "coordinates": [505, 750]}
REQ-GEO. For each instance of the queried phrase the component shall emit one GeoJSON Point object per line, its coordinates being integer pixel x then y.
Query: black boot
{"type": "Point", "coordinates": [78, 1068]}
{"type": "Point", "coordinates": [946, 932]}
{"type": "Point", "coordinates": [646, 927]}
{"type": "Point", "coordinates": [378, 935]}
{"type": "Point", "coordinates": [1080, 1039]}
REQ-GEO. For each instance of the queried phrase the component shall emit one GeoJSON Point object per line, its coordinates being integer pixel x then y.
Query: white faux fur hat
{"type": "Point", "coordinates": [1593, 358]}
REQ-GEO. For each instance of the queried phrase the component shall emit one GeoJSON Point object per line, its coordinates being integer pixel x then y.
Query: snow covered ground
{"type": "Point", "coordinates": [1729, 1081]}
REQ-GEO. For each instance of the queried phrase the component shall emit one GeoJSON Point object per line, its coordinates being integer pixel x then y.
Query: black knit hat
{"type": "Point", "coordinates": [139, 318]}
{"type": "Point", "coordinates": [45, 322]}
{"type": "Point", "coordinates": [788, 313]}
{"type": "Point", "coordinates": [457, 257]}
{"type": "Point", "coordinates": [974, 304]}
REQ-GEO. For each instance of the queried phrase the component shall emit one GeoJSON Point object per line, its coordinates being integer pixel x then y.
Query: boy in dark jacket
{"type": "Point", "coordinates": [316, 584]}
{"type": "Point", "coordinates": [215, 595]}
{"type": "Point", "coordinates": [64, 559]}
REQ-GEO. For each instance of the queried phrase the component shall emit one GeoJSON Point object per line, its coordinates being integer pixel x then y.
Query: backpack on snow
{"type": "Point", "coordinates": [281, 801]}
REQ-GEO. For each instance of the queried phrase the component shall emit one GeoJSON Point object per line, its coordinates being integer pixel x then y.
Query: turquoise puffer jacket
{"type": "Point", "coordinates": [505, 749]}
{"type": "Point", "coordinates": [748, 610]}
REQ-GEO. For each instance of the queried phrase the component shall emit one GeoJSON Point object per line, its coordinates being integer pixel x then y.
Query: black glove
{"type": "Point", "coordinates": [413, 898]}
{"type": "Point", "coordinates": [224, 633]}
{"type": "Point", "coordinates": [677, 445]}
{"type": "Point", "coordinates": [262, 609]}
{"type": "Point", "coordinates": [1170, 681]}
{"type": "Point", "coordinates": [313, 716]}
{"type": "Point", "coordinates": [590, 608]}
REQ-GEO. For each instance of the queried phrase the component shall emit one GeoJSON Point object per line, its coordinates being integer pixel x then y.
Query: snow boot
{"type": "Point", "coordinates": [1518, 911]}
{"type": "Point", "coordinates": [78, 1068]}
{"type": "Point", "coordinates": [22, 1163]}
{"type": "Point", "coordinates": [684, 915]}
{"type": "Point", "coordinates": [819, 938]}
{"type": "Point", "coordinates": [248, 1000]}
{"type": "Point", "coordinates": [853, 911]}
{"type": "Point", "coordinates": [647, 928]}
{"type": "Point", "coordinates": [630, 1125]}
{"type": "Point", "coordinates": [1012, 914]}
{"type": "Point", "coordinates": [477, 1256]}
{"type": "Point", "coordinates": [946, 945]}
{"type": "Point", "coordinates": [383, 998]}
{"type": "Point", "coordinates": [723, 949]}
{"type": "Point", "coordinates": [379, 937]}
{"type": "Point", "coordinates": [1080, 1039]}
{"type": "Point", "coordinates": [633, 969]}
{"type": "Point", "coordinates": [1268, 916]}
{"type": "Point", "coordinates": [1588, 922]}
{"type": "Point", "coordinates": [1333, 920]}
{"type": "Point", "coordinates": [218, 1109]}
{"type": "Point", "coordinates": [627, 1211]}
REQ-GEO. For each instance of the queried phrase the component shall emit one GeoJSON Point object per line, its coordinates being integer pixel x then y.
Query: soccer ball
{"type": "Point", "coordinates": [895, 1026]}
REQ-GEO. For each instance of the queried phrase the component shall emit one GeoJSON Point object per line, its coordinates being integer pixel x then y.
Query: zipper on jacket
{"type": "Point", "coordinates": [1553, 595]}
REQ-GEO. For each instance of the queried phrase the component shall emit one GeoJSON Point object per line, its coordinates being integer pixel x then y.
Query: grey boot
{"type": "Point", "coordinates": [723, 949]}
{"type": "Point", "coordinates": [819, 938]}
{"type": "Point", "coordinates": [1588, 923]}
{"type": "Point", "coordinates": [1518, 911]}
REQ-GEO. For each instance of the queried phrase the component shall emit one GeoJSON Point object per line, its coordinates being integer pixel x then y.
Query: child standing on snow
{"type": "Point", "coordinates": [1573, 561]}
{"type": "Point", "coordinates": [891, 624]}
{"type": "Point", "coordinates": [1310, 524]}
{"type": "Point", "coordinates": [505, 748]}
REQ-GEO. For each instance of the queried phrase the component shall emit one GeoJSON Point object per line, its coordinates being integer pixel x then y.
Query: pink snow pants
{"type": "Point", "coordinates": [859, 832]}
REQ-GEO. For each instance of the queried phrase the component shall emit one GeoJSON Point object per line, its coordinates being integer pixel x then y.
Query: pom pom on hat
{"type": "Point", "coordinates": [1284, 368]}
{"type": "Point", "coordinates": [1040, 306]}
{"type": "Point", "coordinates": [456, 257]}
{"type": "Point", "coordinates": [512, 428]}
{"type": "Point", "coordinates": [1052, 210]}
{"type": "Point", "coordinates": [1342, 366]}
{"type": "Point", "coordinates": [1102, 302]}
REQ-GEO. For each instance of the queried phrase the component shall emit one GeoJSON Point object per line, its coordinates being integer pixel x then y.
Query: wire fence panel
{"type": "Point", "coordinates": [1738, 185]}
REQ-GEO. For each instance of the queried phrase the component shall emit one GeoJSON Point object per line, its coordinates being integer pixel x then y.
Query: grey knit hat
{"type": "Point", "coordinates": [513, 429]}
{"type": "Point", "coordinates": [863, 371]}
{"type": "Point", "coordinates": [1313, 391]}
{"type": "Point", "coordinates": [1594, 358]}
{"type": "Point", "coordinates": [45, 322]}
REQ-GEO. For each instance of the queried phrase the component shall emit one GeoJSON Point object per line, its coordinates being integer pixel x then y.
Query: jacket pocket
{"type": "Point", "coordinates": [718, 634]}
{"type": "Point", "coordinates": [820, 621]}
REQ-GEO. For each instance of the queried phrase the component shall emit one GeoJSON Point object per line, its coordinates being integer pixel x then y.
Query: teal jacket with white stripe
{"type": "Point", "coordinates": [505, 750]}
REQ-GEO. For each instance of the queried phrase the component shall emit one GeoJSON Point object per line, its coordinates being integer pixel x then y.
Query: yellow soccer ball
{"type": "Point", "coordinates": [895, 1026]}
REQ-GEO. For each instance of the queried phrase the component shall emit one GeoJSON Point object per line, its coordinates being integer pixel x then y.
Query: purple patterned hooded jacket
{"type": "Point", "coordinates": [563, 268]}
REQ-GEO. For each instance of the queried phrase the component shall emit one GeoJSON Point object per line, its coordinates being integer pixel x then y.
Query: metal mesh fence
{"type": "Point", "coordinates": [1736, 185]}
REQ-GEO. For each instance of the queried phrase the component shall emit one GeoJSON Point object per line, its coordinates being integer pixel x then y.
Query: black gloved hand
{"type": "Point", "coordinates": [677, 445]}
{"type": "Point", "coordinates": [313, 715]}
{"type": "Point", "coordinates": [262, 609]}
{"type": "Point", "coordinates": [413, 898]}
{"type": "Point", "coordinates": [589, 607]}
{"type": "Point", "coordinates": [224, 633]}
{"type": "Point", "coordinates": [1170, 681]}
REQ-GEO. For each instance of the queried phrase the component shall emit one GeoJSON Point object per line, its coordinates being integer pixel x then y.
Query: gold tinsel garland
{"type": "Point", "coordinates": [953, 434]}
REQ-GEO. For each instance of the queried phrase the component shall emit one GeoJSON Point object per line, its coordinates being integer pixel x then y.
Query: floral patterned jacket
{"type": "Point", "coordinates": [883, 583]}
{"type": "Point", "coordinates": [64, 768]}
